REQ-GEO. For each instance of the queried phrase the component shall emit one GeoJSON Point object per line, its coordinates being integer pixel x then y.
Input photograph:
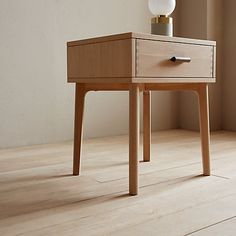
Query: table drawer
{"type": "Point", "coordinates": [153, 60]}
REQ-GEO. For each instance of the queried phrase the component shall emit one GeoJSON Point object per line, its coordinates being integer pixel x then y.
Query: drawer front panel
{"type": "Point", "coordinates": [153, 60]}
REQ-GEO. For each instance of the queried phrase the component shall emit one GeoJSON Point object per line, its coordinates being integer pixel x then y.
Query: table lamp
{"type": "Point", "coordinates": [162, 23]}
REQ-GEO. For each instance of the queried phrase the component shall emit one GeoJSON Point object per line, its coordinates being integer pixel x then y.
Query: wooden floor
{"type": "Point", "coordinates": [39, 196]}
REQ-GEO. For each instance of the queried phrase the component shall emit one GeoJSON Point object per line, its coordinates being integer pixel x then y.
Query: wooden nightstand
{"type": "Point", "coordinates": [141, 62]}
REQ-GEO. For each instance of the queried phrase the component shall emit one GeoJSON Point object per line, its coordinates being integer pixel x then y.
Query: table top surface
{"type": "Point", "coordinates": [129, 35]}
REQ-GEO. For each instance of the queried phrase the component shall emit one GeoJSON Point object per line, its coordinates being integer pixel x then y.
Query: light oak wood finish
{"type": "Point", "coordinates": [200, 88]}
{"type": "Point", "coordinates": [78, 126]}
{"type": "Point", "coordinates": [146, 126]}
{"type": "Point", "coordinates": [39, 196]}
{"type": "Point", "coordinates": [141, 62]}
{"type": "Point", "coordinates": [204, 127]}
{"type": "Point", "coordinates": [172, 80]}
{"type": "Point", "coordinates": [138, 58]}
{"type": "Point", "coordinates": [133, 138]}
{"type": "Point", "coordinates": [145, 36]}
{"type": "Point", "coordinates": [101, 60]}
{"type": "Point", "coordinates": [153, 60]}
{"type": "Point", "coordinates": [173, 86]}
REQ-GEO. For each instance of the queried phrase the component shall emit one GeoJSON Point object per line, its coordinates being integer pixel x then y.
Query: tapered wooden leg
{"type": "Point", "coordinates": [204, 127]}
{"type": "Point", "coordinates": [78, 126]}
{"type": "Point", "coordinates": [133, 138]}
{"type": "Point", "coordinates": [146, 126]}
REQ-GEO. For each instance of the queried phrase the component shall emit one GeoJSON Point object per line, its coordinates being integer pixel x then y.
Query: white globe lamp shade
{"type": "Point", "coordinates": [162, 23]}
{"type": "Point", "coordinates": [161, 7]}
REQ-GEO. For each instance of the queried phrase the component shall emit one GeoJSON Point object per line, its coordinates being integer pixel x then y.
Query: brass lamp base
{"type": "Point", "coordinates": [162, 25]}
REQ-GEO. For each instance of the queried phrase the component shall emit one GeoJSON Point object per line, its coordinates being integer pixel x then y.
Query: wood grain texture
{"type": "Point", "coordinates": [173, 86]}
{"type": "Point", "coordinates": [100, 39]}
{"type": "Point", "coordinates": [39, 196]}
{"type": "Point", "coordinates": [133, 138]}
{"type": "Point", "coordinates": [173, 39]}
{"type": "Point", "coordinates": [81, 89]}
{"type": "Point", "coordinates": [78, 126]}
{"type": "Point", "coordinates": [153, 60]}
{"type": "Point", "coordinates": [134, 35]}
{"type": "Point", "coordinates": [101, 60]}
{"type": "Point", "coordinates": [204, 127]}
{"type": "Point", "coordinates": [140, 61]}
{"type": "Point", "coordinates": [172, 80]}
{"type": "Point", "coordinates": [134, 47]}
{"type": "Point", "coordinates": [223, 227]}
{"type": "Point", "coordinates": [146, 126]}
{"type": "Point", "coordinates": [214, 63]}
{"type": "Point", "coordinates": [100, 80]}
{"type": "Point", "coordinates": [140, 58]}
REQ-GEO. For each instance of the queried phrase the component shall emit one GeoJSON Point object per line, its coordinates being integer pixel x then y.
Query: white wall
{"type": "Point", "coordinates": [36, 103]}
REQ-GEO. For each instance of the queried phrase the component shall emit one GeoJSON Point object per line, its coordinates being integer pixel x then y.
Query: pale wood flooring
{"type": "Point", "coordinates": [39, 196]}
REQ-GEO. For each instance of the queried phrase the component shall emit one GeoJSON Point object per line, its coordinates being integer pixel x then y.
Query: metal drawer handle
{"type": "Point", "coordinates": [181, 59]}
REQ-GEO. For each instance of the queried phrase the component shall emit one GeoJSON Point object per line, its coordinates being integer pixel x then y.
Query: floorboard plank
{"type": "Point", "coordinates": [39, 196]}
{"type": "Point", "coordinates": [226, 227]}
